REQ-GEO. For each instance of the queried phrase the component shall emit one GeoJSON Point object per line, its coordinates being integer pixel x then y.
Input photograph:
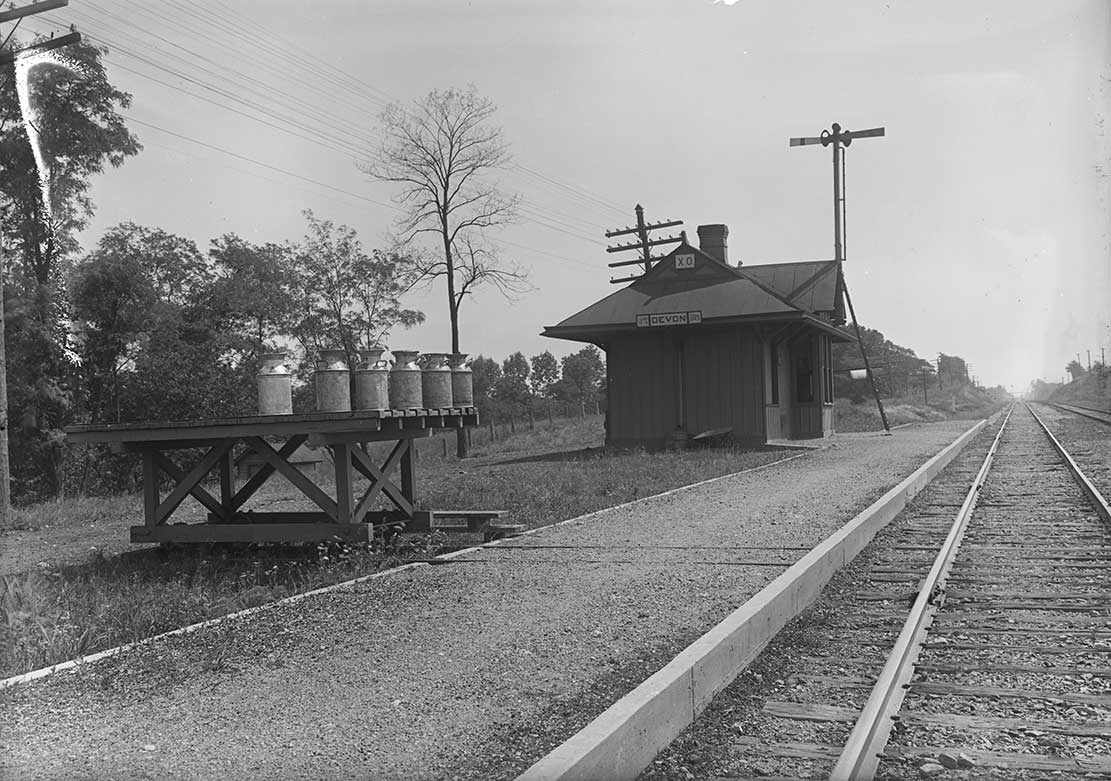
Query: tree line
{"type": "Point", "coordinates": [898, 370]}
{"type": "Point", "coordinates": [521, 388]}
{"type": "Point", "coordinates": [158, 330]}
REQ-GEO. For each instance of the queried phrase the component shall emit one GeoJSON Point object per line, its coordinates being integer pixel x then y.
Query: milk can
{"type": "Point", "coordinates": [372, 380]}
{"type": "Point", "coordinates": [275, 394]}
{"type": "Point", "coordinates": [405, 381]}
{"type": "Point", "coordinates": [333, 382]}
{"type": "Point", "coordinates": [436, 381]}
{"type": "Point", "coordinates": [462, 392]}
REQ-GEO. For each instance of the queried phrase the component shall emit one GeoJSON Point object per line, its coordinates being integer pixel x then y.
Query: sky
{"type": "Point", "coordinates": [978, 226]}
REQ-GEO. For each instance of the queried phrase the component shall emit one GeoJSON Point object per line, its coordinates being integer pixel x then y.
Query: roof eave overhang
{"type": "Point", "coordinates": [596, 333]}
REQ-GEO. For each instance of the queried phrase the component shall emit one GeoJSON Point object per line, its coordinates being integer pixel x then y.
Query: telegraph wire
{"type": "Point", "coordinates": [286, 172]}
{"type": "Point", "coordinates": [257, 162]}
{"type": "Point", "coordinates": [127, 51]}
{"type": "Point", "coordinates": [540, 218]}
{"type": "Point", "coordinates": [576, 191]}
{"type": "Point", "coordinates": [278, 71]}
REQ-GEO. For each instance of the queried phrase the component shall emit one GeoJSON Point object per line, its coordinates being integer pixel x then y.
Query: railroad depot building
{"type": "Point", "coordinates": [698, 348]}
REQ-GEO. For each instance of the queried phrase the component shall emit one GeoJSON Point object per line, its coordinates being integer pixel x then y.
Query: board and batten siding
{"type": "Point", "coordinates": [723, 385]}
{"type": "Point", "coordinates": [641, 388]}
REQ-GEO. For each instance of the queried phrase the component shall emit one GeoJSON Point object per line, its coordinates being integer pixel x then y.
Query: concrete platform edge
{"type": "Point", "coordinates": [624, 739]}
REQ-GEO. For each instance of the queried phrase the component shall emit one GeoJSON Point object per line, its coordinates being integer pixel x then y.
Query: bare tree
{"type": "Point", "coordinates": [441, 152]}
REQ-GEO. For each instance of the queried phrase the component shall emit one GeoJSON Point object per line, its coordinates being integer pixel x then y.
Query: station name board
{"type": "Point", "coordinates": [669, 318]}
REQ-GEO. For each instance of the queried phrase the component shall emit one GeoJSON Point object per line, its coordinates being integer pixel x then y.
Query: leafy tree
{"type": "Point", "coordinates": [112, 302]}
{"type": "Point", "coordinates": [582, 375]}
{"type": "Point", "coordinates": [513, 388]}
{"type": "Point", "coordinates": [174, 266]}
{"type": "Point", "coordinates": [79, 131]}
{"type": "Point", "coordinates": [348, 300]}
{"type": "Point", "coordinates": [545, 373]}
{"type": "Point", "coordinates": [254, 290]}
{"type": "Point", "coordinates": [485, 374]}
{"type": "Point", "coordinates": [1075, 369]}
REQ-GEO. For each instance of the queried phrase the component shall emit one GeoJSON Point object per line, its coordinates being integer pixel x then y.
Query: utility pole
{"type": "Point", "coordinates": [644, 243]}
{"type": "Point", "coordinates": [840, 139]}
{"type": "Point", "coordinates": [7, 58]}
{"type": "Point", "coordinates": [1089, 360]}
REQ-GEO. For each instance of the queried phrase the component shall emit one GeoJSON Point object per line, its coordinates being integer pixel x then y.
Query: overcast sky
{"type": "Point", "coordinates": [978, 226]}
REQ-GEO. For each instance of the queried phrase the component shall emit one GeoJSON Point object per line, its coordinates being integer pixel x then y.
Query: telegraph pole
{"type": "Point", "coordinates": [6, 58]}
{"type": "Point", "coordinates": [644, 243]}
{"type": "Point", "coordinates": [839, 139]}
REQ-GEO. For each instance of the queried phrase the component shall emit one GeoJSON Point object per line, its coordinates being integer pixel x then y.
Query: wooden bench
{"type": "Point", "coordinates": [487, 522]}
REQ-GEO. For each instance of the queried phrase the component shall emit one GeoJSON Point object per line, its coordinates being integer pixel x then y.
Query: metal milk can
{"type": "Point", "coordinates": [405, 381]}
{"type": "Point", "coordinates": [436, 381]}
{"type": "Point", "coordinates": [275, 393]}
{"type": "Point", "coordinates": [462, 390]}
{"type": "Point", "coordinates": [333, 382]}
{"type": "Point", "coordinates": [372, 384]}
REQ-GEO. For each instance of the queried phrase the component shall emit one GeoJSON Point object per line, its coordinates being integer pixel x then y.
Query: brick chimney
{"type": "Point", "coordinates": [712, 241]}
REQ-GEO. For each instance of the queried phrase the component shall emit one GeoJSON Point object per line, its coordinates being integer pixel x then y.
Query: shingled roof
{"type": "Point", "coordinates": [717, 292]}
{"type": "Point", "coordinates": [816, 285]}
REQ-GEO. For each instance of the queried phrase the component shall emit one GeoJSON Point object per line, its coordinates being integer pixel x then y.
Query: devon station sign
{"type": "Point", "coordinates": [669, 318]}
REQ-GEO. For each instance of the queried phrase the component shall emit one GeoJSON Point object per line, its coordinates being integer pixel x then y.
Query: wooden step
{"type": "Point", "coordinates": [487, 522]}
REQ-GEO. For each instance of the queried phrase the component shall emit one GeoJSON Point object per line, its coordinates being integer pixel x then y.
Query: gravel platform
{"type": "Point", "coordinates": [473, 668]}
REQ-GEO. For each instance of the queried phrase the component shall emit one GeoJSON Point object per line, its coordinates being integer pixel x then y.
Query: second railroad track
{"type": "Point", "coordinates": [971, 640]}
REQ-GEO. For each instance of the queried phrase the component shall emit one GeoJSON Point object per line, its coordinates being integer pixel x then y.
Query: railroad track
{"type": "Point", "coordinates": [1102, 415]}
{"type": "Point", "coordinates": [1002, 669]}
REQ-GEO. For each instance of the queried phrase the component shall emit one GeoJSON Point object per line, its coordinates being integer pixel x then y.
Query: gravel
{"type": "Point", "coordinates": [470, 669]}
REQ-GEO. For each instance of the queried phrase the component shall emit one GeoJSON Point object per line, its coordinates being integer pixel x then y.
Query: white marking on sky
{"type": "Point", "coordinates": [23, 66]}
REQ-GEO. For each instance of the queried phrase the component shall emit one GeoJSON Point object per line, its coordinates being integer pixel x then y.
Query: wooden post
{"type": "Point", "coordinates": [227, 484]}
{"type": "Point", "coordinates": [443, 441]}
{"type": "Point", "coordinates": [408, 472]}
{"type": "Point", "coordinates": [345, 480]}
{"type": "Point", "coordinates": [150, 488]}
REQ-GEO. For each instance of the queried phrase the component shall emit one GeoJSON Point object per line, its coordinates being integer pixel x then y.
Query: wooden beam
{"type": "Point", "coordinates": [263, 474]}
{"type": "Point", "coordinates": [28, 10]}
{"type": "Point", "coordinates": [227, 484]}
{"type": "Point", "coordinates": [293, 475]}
{"type": "Point", "coordinates": [380, 481]}
{"type": "Point", "coordinates": [151, 495]}
{"type": "Point", "coordinates": [198, 491]}
{"type": "Point", "coordinates": [341, 455]}
{"type": "Point", "coordinates": [189, 481]}
{"type": "Point", "coordinates": [252, 532]}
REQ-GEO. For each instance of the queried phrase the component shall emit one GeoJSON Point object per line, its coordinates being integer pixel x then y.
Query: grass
{"type": "Point", "coordinates": [59, 611]}
{"type": "Point", "coordinates": [965, 405]}
{"type": "Point", "coordinates": [63, 512]}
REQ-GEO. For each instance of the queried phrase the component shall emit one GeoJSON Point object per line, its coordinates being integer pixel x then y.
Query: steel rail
{"type": "Point", "coordinates": [860, 757]}
{"type": "Point", "coordinates": [1094, 496]}
{"type": "Point", "coordinates": [1103, 416]}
